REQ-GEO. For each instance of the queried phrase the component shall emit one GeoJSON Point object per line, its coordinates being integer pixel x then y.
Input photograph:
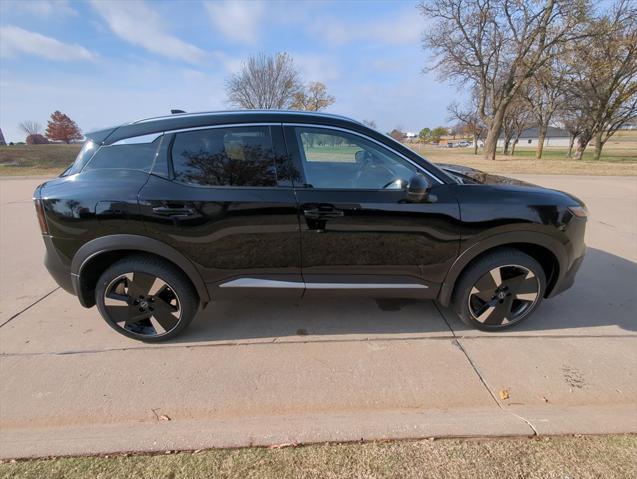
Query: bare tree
{"type": "Point", "coordinates": [29, 127]}
{"type": "Point", "coordinates": [569, 116]}
{"type": "Point", "coordinates": [495, 46]}
{"type": "Point", "coordinates": [470, 119]}
{"type": "Point", "coordinates": [265, 82]}
{"type": "Point", "coordinates": [313, 98]}
{"type": "Point", "coordinates": [518, 118]}
{"type": "Point", "coordinates": [602, 90]}
{"type": "Point", "coordinates": [370, 123]}
{"type": "Point", "coordinates": [544, 93]}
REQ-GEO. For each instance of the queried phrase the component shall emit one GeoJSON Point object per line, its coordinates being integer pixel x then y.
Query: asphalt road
{"type": "Point", "coordinates": [269, 372]}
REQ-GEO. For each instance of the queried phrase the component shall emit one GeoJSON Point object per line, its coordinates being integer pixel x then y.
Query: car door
{"type": "Point", "coordinates": [359, 233]}
{"type": "Point", "coordinates": [222, 196]}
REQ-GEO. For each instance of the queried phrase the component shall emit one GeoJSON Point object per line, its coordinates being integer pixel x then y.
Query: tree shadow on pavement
{"type": "Point", "coordinates": [604, 295]}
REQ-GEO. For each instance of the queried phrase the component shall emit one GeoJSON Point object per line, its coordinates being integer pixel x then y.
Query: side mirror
{"type": "Point", "coordinates": [418, 188]}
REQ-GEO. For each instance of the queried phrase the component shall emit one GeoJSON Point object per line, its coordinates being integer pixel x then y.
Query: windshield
{"type": "Point", "coordinates": [85, 154]}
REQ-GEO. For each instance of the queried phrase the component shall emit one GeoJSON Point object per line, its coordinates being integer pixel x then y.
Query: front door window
{"type": "Point", "coordinates": [339, 160]}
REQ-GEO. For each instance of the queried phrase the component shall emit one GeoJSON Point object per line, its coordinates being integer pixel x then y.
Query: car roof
{"type": "Point", "coordinates": [181, 121]}
{"type": "Point", "coordinates": [222, 113]}
{"type": "Point", "coordinates": [186, 121]}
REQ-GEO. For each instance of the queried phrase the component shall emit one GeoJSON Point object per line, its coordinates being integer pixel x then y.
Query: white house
{"type": "Point", "coordinates": [554, 137]}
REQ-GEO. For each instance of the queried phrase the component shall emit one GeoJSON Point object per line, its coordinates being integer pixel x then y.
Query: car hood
{"type": "Point", "coordinates": [467, 175]}
{"type": "Point", "coordinates": [470, 175]}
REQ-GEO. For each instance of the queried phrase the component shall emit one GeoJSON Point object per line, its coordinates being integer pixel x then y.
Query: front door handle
{"type": "Point", "coordinates": [320, 213]}
{"type": "Point", "coordinates": [168, 211]}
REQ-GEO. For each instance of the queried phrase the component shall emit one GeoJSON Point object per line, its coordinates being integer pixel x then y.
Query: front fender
{"type": "Point", "coordinates": [496, 240]}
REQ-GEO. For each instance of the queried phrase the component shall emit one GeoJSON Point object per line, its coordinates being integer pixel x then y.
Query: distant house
{"type": "Point", "coordinates": [529, 137]}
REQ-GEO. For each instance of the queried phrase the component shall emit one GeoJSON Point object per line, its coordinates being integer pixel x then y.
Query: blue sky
{"type": "Point", "coordinates": [107, 62]}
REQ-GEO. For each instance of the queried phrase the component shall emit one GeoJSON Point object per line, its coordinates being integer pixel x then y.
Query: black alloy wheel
{"type": "Point", "coordinates": [503, 295]}
{"type": "Point", "coordinates": [145, 298]}
{"type": "Point", "coordinates": [499, 290]}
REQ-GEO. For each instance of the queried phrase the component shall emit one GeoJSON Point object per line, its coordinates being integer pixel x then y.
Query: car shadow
{"type": "Point", "coordinates": [604, 294]}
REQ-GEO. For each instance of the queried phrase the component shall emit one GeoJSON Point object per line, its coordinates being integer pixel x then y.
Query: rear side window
{"type": "Point", "coordinates": [85, 154]}
{"type": "Point", "coordinates": [136, 156]}
{"type": "Point", "coordinates": [242, 156]}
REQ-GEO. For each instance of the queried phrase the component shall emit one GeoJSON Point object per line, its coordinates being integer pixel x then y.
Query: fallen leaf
{"type": "Point", "coordinates": [545, 399]}
{"type": "Point", "coordinates": [504, 394]}
{"type": "Point", "coordinates": [283, 445]}
{"type": "Point", "coordinates": [163, 417]}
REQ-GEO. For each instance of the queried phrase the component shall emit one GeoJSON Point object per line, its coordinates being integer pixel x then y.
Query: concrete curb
{"type": "Point", "coordinates": [257, 431]}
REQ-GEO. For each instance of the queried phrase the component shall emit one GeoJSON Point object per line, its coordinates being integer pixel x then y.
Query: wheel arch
{"type": "Point", "coordinates": [546, 250]}
{"type": "Point", "coordinates": [96, 255]}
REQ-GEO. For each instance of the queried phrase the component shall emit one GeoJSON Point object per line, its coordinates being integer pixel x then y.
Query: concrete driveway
{"type": "Point", "coordinates": [269, 372]}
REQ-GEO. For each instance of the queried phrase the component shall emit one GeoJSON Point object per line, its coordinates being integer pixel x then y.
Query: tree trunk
{"type": "Point", "coordinates": [540, 141]}
{"type": "Point", "coordinates": [582, 142]}
{"type": "Point", "coordinates": [491, 143]}
{"type": "Point", "coordinates": [571, 141]}
{"type": "Point", "coordinates": [515, 142]}
{"type": "Point", "coordinates": [599, 144]}
{"type": "Point", "coordinates": [507, 143]}
{"type": "Point", "coordinates": [475, 144]}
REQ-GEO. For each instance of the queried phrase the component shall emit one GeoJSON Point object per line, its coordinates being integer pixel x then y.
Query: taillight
{"type": "Point", "coordinates": [39, 209]}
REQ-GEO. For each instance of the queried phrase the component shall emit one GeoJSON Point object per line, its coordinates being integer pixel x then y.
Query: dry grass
{"type": "Point", "coordinates": [41, 160]}
{"type": "Point", "coordinates": [621, 162]}
{"type": "Point", "coordinates": [562, 457]}
{"type": "Point", "coordinates": [620, 159]}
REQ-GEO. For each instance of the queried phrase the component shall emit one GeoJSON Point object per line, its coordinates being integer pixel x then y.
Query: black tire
{"type": "Point", "coordinates": [146, 298]}
{"type": "Point", "coordinates": [499, 290]}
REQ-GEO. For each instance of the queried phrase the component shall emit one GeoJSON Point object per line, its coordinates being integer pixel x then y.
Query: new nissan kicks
{"type": "Point", "coordinates": [159, 217]}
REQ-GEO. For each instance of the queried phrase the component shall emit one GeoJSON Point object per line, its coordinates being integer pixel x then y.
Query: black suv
{"type": "Point", "coordinates": [160, 216]}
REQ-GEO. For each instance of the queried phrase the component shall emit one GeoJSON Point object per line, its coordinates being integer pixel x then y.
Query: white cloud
{"type": "Point", "coordinates": [42, 8]}
{"type": "Point", "coordinates": [404, 28]}
{"type": "Point", "coordinates": [317, 67]}
{"type": "Point", "coordinates": [137, 23]}
{"type": "Point", "coordinates": [15, 40]}
{"type": "Point", "coordinates": [237, 21]}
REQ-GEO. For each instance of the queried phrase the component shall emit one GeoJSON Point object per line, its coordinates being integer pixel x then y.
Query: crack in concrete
{"type": "Point", "coordinates": [271, 342]}
{"type": "Point", "coordinates": [458, 344]}
{"type": "Point", "coordinates": [29, 306]}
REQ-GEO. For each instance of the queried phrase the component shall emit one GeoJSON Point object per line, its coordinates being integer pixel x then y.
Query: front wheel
{"type": "Point", "coordinates": [145, 298]}
{"type": "Point", "coordinates": [499, 290]}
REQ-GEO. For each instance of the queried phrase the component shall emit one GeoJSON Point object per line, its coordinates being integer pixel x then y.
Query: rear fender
{"type": "Point", "coordinates": [136, 243]}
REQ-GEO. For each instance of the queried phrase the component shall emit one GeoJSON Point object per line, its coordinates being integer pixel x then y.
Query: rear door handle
{"type": "Point", "coordinates": [168, 211]}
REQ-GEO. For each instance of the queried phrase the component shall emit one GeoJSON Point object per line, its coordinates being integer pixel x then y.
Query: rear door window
{"type": "Point", "coordinates": [237, 156]}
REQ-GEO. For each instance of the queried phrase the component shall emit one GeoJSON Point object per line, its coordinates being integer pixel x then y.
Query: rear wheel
{"type": "Point", "coordinates": [145, 298]}
{"type": "Point", "coordinates": [499, 290]}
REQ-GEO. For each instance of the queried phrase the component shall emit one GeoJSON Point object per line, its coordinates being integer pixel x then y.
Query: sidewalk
{"type": "Point", "coordinates": [271, 372]}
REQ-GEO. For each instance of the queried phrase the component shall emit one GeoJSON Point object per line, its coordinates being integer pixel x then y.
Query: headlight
{"type": "Point", "coordinates": [579, 211]}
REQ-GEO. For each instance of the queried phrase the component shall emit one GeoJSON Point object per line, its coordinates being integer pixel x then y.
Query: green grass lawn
{"type": "Point", "coordinates": [559, 457]}
{"type": "Point", "coordinates": [608, 155]}
{"type": "Point", "coordinates": [332, 153]}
